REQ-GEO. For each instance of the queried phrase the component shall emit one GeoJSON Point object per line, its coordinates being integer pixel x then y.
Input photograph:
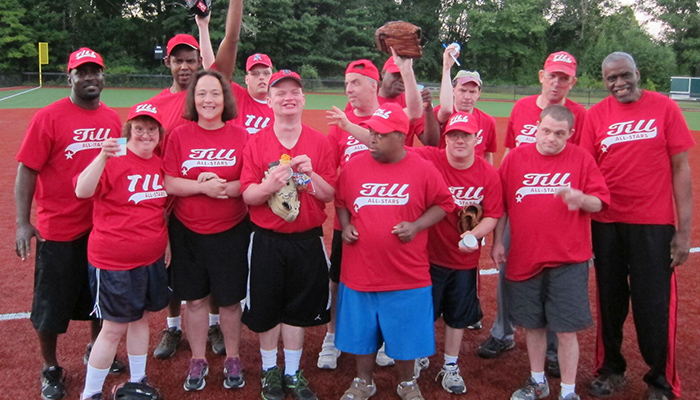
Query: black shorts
{"type": "Point", "coordinates": [455, 296]}
{"type": "Point", "coordinates": [61, 288]}
{"type": "Point", "coordinates": [288, 280]}
{"type": "Point", "coordinates": [215, 264]}
{"type": "Point", "coordinates": [556, 298]}
{"type": "Point", "coordinates": [123, 296]}
{"type": "Point", "coordinates": [336, 256]}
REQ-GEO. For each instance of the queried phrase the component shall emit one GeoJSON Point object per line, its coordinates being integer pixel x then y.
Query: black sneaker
{"type": "Point", "coordinates": [216, 338]}
{"type": "Point", "coordinates": [493, 347]}
{"type": "Point", "coordinates": [298, 386]}
{"type": "Point", "coordinates": [553, 368]}
{"type": "Point", "coordinates": [605, 385]}
{"type": "Point", "coordinates": [52, 379]}
{"type": "Point", "coordinates": [96, 396]}
{"type": "Point", "coordinates": [271, 382]}
{"type": "Point", "coordinates": [117, 366]}
{"type": "Point", "coordinates": [168, 343]}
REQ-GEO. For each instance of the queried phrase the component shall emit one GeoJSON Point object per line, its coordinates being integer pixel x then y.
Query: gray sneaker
{"type": "Point", "coordinates": [605, 385]}
{"type": "Point", "coordinates": [233, 373]}
{"type": "Point", "coordinates": [493, 347]}
{"type": "Point", "coordinates": [168, 343]}
{"type": "Point", "coordinates": [359, 390]}
{"type": "Point", "coordinates": [419, 365]}
{"type": "Point", "coordinates": [216, 338]}
{"type": "Point", "coordinates": [570, 396]}
{"type": "Point", "coordinates": [382, 359]}
{"type": "Point", "coordinates": [409, 391]}
{"type": "Point", "coordinates": [452, 381]}
{"type": "Point", "coordinates": [531, 390]}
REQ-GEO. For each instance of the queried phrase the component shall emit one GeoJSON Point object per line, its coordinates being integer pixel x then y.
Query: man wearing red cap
{"type": "Point", "coordinates": [386, 200]}
{"type": "Point", "coordinates": [549, 191]}
{"type": "Point", "coordinates": [288, 281]}
{"type": "Point", "coordinates": [640, 141]}
{"type": "Point", "coordinates": [453, 267]}
{"type": "Point", "coordinates": [460, 94]}
{"type": "Point", "coordinates": [61, 140]}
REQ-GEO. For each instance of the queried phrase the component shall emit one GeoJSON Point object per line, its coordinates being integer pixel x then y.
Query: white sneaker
{"type": "Point", "coordinates": [452, 381]}
{"type": "Point", "coordinates": [328, 357]}
{"type": "Point", "coordinates": [420, 364]}
{"type": "Point", "coordinates": [382, 359]}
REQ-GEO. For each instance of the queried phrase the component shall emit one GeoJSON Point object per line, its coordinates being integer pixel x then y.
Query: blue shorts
{"type": "Point", "coordinates": [403, 319]}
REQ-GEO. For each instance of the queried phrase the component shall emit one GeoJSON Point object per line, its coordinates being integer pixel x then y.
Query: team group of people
{"type": "Point", "coordinates": [214, 194]}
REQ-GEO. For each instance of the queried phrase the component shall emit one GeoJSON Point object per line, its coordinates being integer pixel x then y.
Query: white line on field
{"type": "Point", "coordinates": [17, 94]}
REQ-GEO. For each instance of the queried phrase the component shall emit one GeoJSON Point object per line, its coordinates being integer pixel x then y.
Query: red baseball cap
{"type": "Point", "coordinates": [390, 66]}
{"type": "Point", "coordinates": [145, 109]}
{"type": "Point", "coordinates": [182, 38]}
{"type": "Point", "coordinates": [83, 56]}
{"type": "Point", "coordinates": [388, 118]}
{"type": "Point", "coordinates": [258, 58]}
{"type": "Point", "coordinates": [363, 67]}
{"type": "Point", "coordinates": [462, 121]}
{"type": "Point", "coordinates": [561, 61]}
{"type": "Point", "coordinates": [284, 74]}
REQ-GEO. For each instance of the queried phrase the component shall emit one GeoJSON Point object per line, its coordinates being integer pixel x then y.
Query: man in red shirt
{"type": "Point", "coordinates": [62, 139]}
{"type": "Point", "coordinates": [640, 141]}
{"type": "Point", "coordinates": [549, 189]}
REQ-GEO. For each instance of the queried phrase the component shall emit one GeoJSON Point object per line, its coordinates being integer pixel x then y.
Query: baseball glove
{"type": "Point", "coordinates": [469, 217]}
{"type": "Point", "coordinates": [284, 202]}
{"type": "Point", "coordinates": [199, 7]}
{"type": "Point", "coordinates": [135, 391]}
{"type": "Point", "coordinates": [403, 36]}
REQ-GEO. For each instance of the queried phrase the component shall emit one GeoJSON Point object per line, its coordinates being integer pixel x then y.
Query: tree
{"type": "Point", "coordinates": [683, 20]}
{"type": "Point", "coordinates": [15, 37]}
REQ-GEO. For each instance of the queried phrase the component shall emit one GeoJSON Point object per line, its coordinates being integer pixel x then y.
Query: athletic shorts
{"type": "Point", "coordinates": [288, 280]}
{"type": "Point", "coordinates": [455, 296]}
{"type": "Point", "coordinates": [123, 296]}
{"type": "Point", "coordinates": [556, 298]}
{"type": "Point", "coordinates": [336, 255]}
{"type": "Point", "coordinates": [403, 319]}
{"type": "Point", "coordinates": [61, 287]}
{"type": "Point", "coordinates": [215, 264]}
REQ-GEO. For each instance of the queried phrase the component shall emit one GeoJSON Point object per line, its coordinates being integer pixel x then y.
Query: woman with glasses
{"type": "Point", "coordinates": [209, 228]}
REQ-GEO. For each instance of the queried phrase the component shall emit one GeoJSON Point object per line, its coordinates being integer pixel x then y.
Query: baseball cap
{"type": "Point", "coordinates": [561, 61]}
{"type": "Point", "coordinates": [147, 109]}
{"type": "Point", "coordinates": [390, 66]}
{"type": "Point", "coordinates": [284, 74]}
{"type": "Point", "coordinates": [463, 77]}
{"type": "Point", "coordinates": [82, 56]}
{"type": "Point", "coordinates": [182, 38]}
{"type": "Point", "coordinates": [461, 121]}
{"type": "Point", "coordinates": [388, 118]}
{"type": "Point", "coordinates": [257, 58]}
{"type": "Point", "coordinates": [363, 67]}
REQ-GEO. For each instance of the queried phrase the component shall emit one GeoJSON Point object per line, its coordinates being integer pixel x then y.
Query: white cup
{"type": "Point", "coordinates": [469, 241]}
{"type": "Point", "coordinates": [122, 146]}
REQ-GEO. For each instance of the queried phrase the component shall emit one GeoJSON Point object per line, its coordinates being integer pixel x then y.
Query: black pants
{"type": "Point", "coordinates": [633, 262]}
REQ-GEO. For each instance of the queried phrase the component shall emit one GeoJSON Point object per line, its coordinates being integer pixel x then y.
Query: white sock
{"type": "Point", "coordinates": [537, 376]}
{"type": "Point", "coordinates": [174, 322]}
{"type": "Point", "coordinates": [450, 359]}
{"type": "Point", "coordinates": [137, 367]}
{"type": "Point", "coordinates": [269, 359]}
{"type": "Point", "coordinates": [214, 319]}
{"type": "Point", "coordinates": [330, 338]}
{"type": "Point", "coordinates": [567, 389]}
{"type": "Point", "coordinates": [291, 361]}
{"type": "Point", "coordinates": [94, 380]}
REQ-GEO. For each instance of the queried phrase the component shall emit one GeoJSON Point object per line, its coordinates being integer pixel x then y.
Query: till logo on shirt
{"type": "Point", "coordinates": [479, 137]}
{"type": "Point", "coordinates": [382, 194]}
{"type": "Point", "coordinates": [464, 196]}
{"type": "Point", "coordinates": [527, 135]}
{"type": "Point", "coordinates": [86, 139]}
{"type": "Point", "coordinates": [253, 123]}
{"type": "Point", "coordinates": [628, 132]}
{"type": "Point", "coordinates": [146, 182]}
{"type": "Point", "coordinates": [354, 146]}
{"type": "Point", "coordinates": [209, 158]}
{"type": "Point", "coordinates": [542, 184]}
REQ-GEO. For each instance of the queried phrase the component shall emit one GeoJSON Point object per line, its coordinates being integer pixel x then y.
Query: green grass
{"type": "Point", "coordinates": [314, 101]}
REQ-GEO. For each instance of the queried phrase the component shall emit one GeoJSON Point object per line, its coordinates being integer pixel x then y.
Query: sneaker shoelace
{"type": "Point", "coordinates": [196, 369]}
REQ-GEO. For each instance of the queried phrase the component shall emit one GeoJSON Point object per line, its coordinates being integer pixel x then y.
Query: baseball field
{"type": "Point", "coordinates": [20, 360]}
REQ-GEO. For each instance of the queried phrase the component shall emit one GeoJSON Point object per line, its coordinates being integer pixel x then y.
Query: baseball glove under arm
{"type": "Point", "coordinates": [403, 36]}
{"type": "Point", "coordinates": [469, 217]}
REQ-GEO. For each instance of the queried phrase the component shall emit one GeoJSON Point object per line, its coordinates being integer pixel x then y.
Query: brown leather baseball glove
{"type": "Point", "coordinates": [469, 217]}
{"type": "Point", "coordinates": [403, 36]}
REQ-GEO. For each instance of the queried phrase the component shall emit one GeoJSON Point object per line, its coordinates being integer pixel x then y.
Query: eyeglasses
{"type": "Point", "coordinates": [258, 73]}
{"type": "Point", "coordinates": [558, 78]}
{"type": "Point", "coordinates": [144, 131]}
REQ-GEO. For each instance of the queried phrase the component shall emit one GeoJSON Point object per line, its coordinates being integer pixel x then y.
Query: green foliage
{"type": "Point", "coordinates": [15, 37]}
{"type": "Point", "coordinates": [308, 72]}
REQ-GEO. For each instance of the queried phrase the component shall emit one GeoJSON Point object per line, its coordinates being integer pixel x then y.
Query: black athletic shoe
{"type": "Point", "coordinates": [117, 366]}
{"type": "Point", "coordinates": [52, 379]}
{"type": "Point", "coordinates": [298, 386]}
{"type": "Point", "coordinates": [168, 343]}
{"type": "Point", "coordinates": [493, 347]}
{"type": "Point", "coordinates": [271, 382]}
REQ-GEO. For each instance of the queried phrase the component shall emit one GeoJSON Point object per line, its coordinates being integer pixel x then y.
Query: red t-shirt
{"type": "Point", "coordinates": [633, 144]}
{"type": "Point", "coordinates": [478, 184]}
{"type": "Point", "coordinates": [485, 137]}
{"type": "Point", "coordinates": [192, 150]}
{"type": "Point", "coordinates": [172, 106]}
{"type": "Point", "coordinates": [522, 124]}
{"type": "Point", "coordinates": [415, 128]}
{"type": "Point", "coordinates": [61, 140]}
{"type": "Point", "coordinates": [264, 148]}
{"type": "Point", "coordinates": [544, 233]}
{"type": "Point", "coordinates": [129, 214]}
{"type": "Point", "coordinates": [343, 144]}
{"type": "Point", "coordinates": [253, 114]}
{"type": "Point", "coordinates": [379, 196]}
